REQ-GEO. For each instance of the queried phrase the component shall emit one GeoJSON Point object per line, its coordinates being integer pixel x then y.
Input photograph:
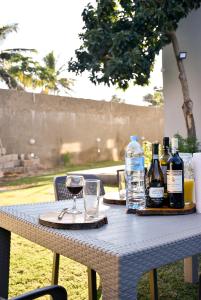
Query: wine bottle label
{"type": "Point", "coordinates": [155, 156]}
{"type": "Point", "coordinates": [174, 181]}
{"type": "Point", "coordinates": [156, 192]}
{"type": "Point", "coordinates": [134, 163]}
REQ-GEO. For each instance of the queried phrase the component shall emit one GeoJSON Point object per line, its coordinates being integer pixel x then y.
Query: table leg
{"type": "Point", "coordinates": [111, 295]}
{"type": "Point", "coordinates": [153, 284]}
{"type": "Point", "coordinates": [199, 291]}
{"type": "Point", "coordinates": [112, 289]}
{"type": "Point", "coordinates": [55, 269]}
{"type": "Point", "coordinates": [4, 262]}
{"type": "Point", "coordinates": [191, 269]}
{"type": "Point", "coordinates": [92, 289]}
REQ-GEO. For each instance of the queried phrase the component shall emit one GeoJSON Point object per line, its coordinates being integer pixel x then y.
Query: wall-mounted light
{"type": "Point", "coordinates": [98, 140]}
{"type": "Point", "coordinates": [32, 141]}
{"type": "Point", "coordinates": [182, 55]}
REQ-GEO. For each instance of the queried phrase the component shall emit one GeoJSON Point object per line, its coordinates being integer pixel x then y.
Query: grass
{"type": "Point", "coordinates": [31, 264]}
{"type": "Point", "coordinates": [37, 180]}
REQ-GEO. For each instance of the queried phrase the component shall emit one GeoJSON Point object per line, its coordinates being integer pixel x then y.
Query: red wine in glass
{"type": "Point", "coordinates": [74, 190]}
{"type": "Point", "coordinates": [74, 184]}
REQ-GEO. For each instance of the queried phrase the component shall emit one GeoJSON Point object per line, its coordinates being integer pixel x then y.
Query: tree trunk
{"type": "Point", "coordinates": [187, 106]}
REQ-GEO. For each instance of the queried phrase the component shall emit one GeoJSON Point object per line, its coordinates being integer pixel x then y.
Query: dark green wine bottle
{"type": "Point", "coordinates": [175, 178]}
{"type": "Point", "coordinates": [163, 163]}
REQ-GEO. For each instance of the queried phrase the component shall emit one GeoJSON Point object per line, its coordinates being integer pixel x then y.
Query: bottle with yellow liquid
{"type": "Point", "coordinates": [188, 178]}
{"type": "Point", "coordinates": [188, 190]}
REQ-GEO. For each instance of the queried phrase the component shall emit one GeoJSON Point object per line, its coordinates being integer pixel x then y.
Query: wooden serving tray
{"type": "Point", "coordinates": [70, 221]}
{"type": "Point", "coordinates": [166, 211]}
{"type": "Point", "coordinates": [113, 198]}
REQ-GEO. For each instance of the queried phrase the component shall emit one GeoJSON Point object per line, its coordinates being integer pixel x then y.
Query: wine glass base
{"type": "Point", "coordinates": [73, 211]}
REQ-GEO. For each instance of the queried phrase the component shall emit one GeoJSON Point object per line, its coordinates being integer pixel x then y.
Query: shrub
{"type": "Point", "coordinates": [188, 145]}
{"type": "Point", "coordinates": [147, 147]}
{"type": "Point", "coordinates": [65, 158]}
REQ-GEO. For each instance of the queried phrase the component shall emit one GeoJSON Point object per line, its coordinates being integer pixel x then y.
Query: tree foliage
{"type": "Point", "coordinates": [116, 99]}
{"type": "Point", "coordinates": [24, 69]}
{"type": "Point", "coordinates": [20, 70]}
{"type": "Point", "coordinates": [121, 38]}
{"type": "Point", "coordinates": [155, 99]}
{"type": "Point", "coordinates": [45, 76]}
{"type": "Point", "coordinates": [5, 29]}
{"type": "Point", "coordinates": [11, 58]}
{"type": "Point", "coordinates": [51, 76]}
{"type": "Point", "coordinates": [187, 145]}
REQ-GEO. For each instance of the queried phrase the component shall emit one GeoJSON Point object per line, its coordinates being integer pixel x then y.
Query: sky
{"type": "Point", "coordinates": [54, 25]}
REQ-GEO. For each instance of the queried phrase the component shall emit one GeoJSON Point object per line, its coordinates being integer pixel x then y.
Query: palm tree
{"type": "Point", "coordinates": [20, 71]}
{"type": "Point", "coordinates": [12, 60]}
{"type": "Point", "coordinates": [51, 76]}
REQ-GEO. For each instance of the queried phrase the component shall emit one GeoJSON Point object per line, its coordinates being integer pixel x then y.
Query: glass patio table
{"type": "Point", "coordinates": [120, 251]}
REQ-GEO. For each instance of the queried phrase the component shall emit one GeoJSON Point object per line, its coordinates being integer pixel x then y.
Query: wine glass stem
{"type": "Point", "coordinates": [74, 202]}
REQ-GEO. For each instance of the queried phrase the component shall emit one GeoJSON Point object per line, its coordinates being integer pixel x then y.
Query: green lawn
{"type": "Point", "coordinates": [31, 264]}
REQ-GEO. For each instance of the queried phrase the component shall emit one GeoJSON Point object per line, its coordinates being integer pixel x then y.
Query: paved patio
{"type": "Point", "coordinates": [108, 174]}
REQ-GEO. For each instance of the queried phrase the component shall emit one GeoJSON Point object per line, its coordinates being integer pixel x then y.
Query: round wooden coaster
{"type": "Point", "coordinates": [113, 198]}
{"type": "Point", "coordinates": [71, 221]}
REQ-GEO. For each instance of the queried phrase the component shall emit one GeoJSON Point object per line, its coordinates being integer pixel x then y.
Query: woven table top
{"type": "Point", "coordinates": [127, 246]}
{"type": "Point", "coordinates": [124, 233]}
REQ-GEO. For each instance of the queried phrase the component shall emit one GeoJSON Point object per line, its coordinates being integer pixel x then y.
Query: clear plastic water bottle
{"type": "Point", "coordinates": [134, 169]}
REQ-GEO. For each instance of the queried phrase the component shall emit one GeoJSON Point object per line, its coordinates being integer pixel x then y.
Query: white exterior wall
{"type": "Point", "coordinates": [189, 35]}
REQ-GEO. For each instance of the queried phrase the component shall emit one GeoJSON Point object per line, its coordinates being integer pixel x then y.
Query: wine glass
{"type": "Point", "coordinates": [74, 184]}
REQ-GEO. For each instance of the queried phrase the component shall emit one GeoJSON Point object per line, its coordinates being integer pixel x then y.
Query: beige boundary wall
{"type": "Point", "coordinates": [84, 129]}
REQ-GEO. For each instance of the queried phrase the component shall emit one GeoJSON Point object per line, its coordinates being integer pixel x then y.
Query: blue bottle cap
{"type": "Point", "coordinates": [133, 138]}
